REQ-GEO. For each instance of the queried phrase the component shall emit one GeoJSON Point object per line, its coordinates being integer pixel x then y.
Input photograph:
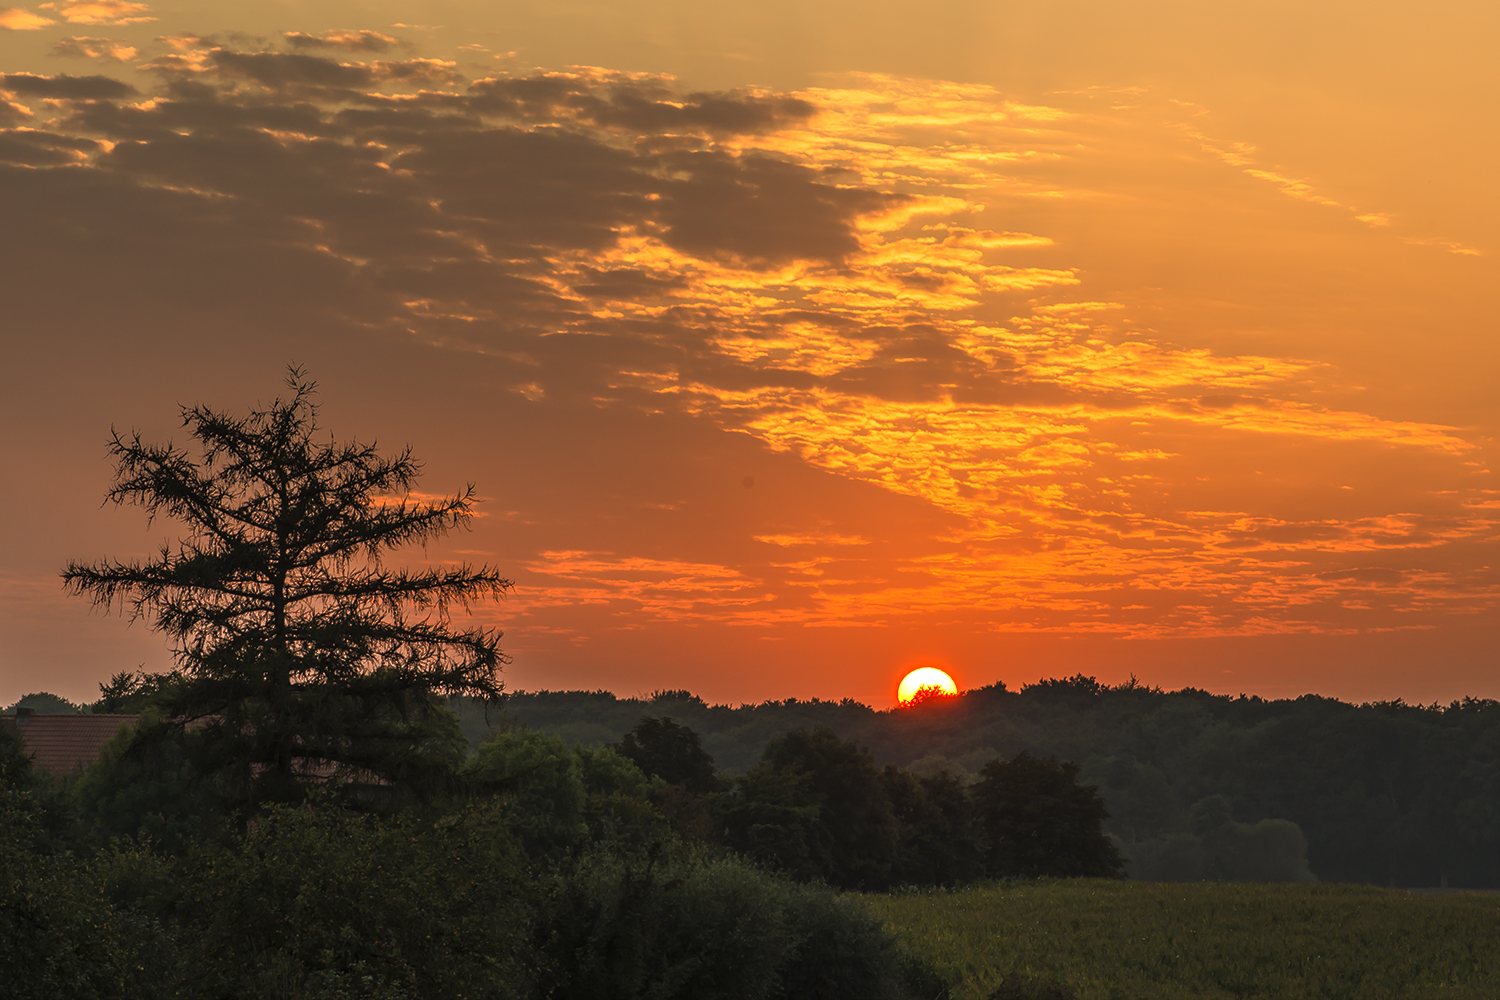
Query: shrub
{"type": "Point", "coordinates": [144, 786]}
{"type": "Point", "coordinates": [687, 925]}
{"type": "Point", "coordinates": [539, 778]}
{"type": "Point", "coordinates": [323, 903]}
{"type": "Point", "coordinates": [61, 935]}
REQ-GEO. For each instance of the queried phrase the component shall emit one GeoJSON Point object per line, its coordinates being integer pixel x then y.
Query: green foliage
{"type": "Point", "coordinates": [46, 703]}
{"type": "Point", "coordinates": [16, 768]}
{"type": "Point", "coordinates": [619, 801]}
{"type": "Point", "coordinates": [561, 798]}
{"type": "Point", "coordinates": [1127, 940]}
{"type": "Point", "coordinates": [304, 660]}
{"type": "Point", "coordinates": [318, 902]}
{"type": "Point", "coordinates": [131, 692]}
{"type": "Point", "coordinates": [663, 749]}
{"type": "Point", "coordinates": [699, 928]}
{"type": "Point", "coordinates": [1036, 820]}
{"type": "Point", "coordinates": [815, 807]}
{"type": "Point", "coordinates": [842, 953]}
{"type": "Point", "coordinates": [937, 842]}
{"type": "Point", "coordinates": [540, 781]}
{"type": "Point", "coordinates": [61, 932]}
{"type": "Point", "coordinates": [145, 787]}
{"type": "Point", "coordinates": [1386, 793]}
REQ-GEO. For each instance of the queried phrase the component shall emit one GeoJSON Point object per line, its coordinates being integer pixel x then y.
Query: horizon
{"type": "Point", "coordinates": [1131, 683]}
{"type": "Point", "coordinates": [794, 348]}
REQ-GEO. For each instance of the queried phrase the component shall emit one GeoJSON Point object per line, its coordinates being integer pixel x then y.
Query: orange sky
{"type": "Point", "coordinates": [794, 346]}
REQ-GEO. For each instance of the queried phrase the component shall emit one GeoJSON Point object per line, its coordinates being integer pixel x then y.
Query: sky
{"type": "Point", "coordinates": [793, 345]}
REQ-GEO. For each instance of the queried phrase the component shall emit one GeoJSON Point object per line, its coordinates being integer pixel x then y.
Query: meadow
{"type": "Point", "coordinates": [1124, 940]}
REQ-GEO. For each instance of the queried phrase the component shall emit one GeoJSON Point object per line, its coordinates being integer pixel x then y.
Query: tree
{"type": "Point", "coordinates": [303, 658]}
{"type": "Point", "coordinates": [815, 806]}
{"type": "Point", "coordinates": [1036, 820]}
{"type": "Point", "coordinates": [935, 821]}
{"type": "Point", "coordinates": [662, 748]}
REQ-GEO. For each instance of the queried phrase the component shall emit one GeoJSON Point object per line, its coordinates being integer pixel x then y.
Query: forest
{"type": "Point", "coordinates": [1196, 784]}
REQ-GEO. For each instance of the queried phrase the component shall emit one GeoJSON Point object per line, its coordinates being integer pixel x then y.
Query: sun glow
{"type": "Point", "coordinates": [923, 683]}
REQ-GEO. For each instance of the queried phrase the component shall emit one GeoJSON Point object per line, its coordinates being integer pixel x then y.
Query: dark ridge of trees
{"type": "Point", "coordinates": [1385, 793]}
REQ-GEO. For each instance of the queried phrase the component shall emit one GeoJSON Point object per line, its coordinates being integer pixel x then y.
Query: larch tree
{"type": "Point", "coordinates": [302, 657]}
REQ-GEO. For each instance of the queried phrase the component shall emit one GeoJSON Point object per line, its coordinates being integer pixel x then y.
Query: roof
{"type": "Point", "coordinates": [64, 743]}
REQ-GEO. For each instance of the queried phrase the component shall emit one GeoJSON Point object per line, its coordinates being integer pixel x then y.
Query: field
{"type": "Point", "coordinates": [1128, 940]}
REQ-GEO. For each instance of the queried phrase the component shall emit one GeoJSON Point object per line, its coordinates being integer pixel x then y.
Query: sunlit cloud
{"type": "Point", "coordinates": [20, 19]}
{"type": "Point", "coordinates": [81, 46]}
{"type": "Point", "coordinates": [347, 41]}
{"type": "Point", "coordinates": [110, 12]}
{"type": "Point", "coordinates": [814, 538]}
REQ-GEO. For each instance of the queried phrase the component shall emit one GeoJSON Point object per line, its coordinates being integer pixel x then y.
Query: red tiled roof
{"type": "Point", "coordinates": [63, 744]}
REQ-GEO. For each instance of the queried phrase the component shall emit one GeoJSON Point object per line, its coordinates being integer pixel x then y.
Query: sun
{"type": "Point", "coordinates": [923, 683]}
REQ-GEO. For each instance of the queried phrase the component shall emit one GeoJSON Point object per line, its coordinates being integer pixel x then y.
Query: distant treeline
{"type": "Point", "coordinates": [1197, 785]}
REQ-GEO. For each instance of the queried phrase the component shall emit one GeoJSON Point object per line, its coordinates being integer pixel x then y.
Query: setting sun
{"type": "Point", "coordinates": [925, 681]}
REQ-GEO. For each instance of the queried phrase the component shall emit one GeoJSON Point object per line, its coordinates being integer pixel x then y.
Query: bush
{"type": "Point", "coordinates": [708, 928]}
{"type": "Point", "coordinates": [540, 780]}
{"type": "Point", "coordinates": [144, 787]}
{"type": "Point", "coordinates": [323, 903]}
{"type": "Point", "coordinates": [61, 933]}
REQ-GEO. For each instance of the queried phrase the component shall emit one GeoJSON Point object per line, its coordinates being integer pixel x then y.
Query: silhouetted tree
{"type": "Point", "coordinates": [661, 748]}
{"type": "Point", "coordinates": [46, 703]}
{"type": "Point", "coordinates": [129, 692]}
{"type": "Point", "coordinates": [815, 806]}
{"type": "Point", "coordinates": [302, 656]}
{"type": "Point", "coordinates": [1036, 820]}
{"type": "Point", "coordinates": [936, 840]}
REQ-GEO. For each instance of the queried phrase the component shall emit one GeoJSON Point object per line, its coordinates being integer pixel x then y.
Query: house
{"type": "Point", "coordinates": [65, 743]}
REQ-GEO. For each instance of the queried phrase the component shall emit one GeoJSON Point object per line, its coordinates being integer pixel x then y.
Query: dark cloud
{"type": "Point", "coordinates": [635, 107]}
{"type": "Point", "coordinates": [729, 113]}
{"type": "Point", "coordinates": [762, 210]}
{"type": "Point", "coordinates": [624, 283]}
{"type": "Point", "coordinates": [42, 149]}
{"type": "Point", "coordinates": [282, 69]}
{"type": "Point", "coordinates": [65, 87]}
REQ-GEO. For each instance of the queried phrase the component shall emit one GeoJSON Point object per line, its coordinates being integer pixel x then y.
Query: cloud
{"type": "Point", "coordinates": [20, 19]}
{"type": "Point", "coordinates": [813, 273]}
{"type": "Point", "coordinates": [347, 41]}
{"type": "Point", "coordinates": [65, 87]}
{"type": "Point", "coordinates": [83, 47]}
{"type": "Point", "coordinates": [815, 538]}
{"type": "Point", "coordinates": [43, 149]}
{"type": "Point", "coordinates": [111, 12]}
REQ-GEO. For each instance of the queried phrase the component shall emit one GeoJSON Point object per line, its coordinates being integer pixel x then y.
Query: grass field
{"type": "Point", "coordinates": [1127, 940]}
